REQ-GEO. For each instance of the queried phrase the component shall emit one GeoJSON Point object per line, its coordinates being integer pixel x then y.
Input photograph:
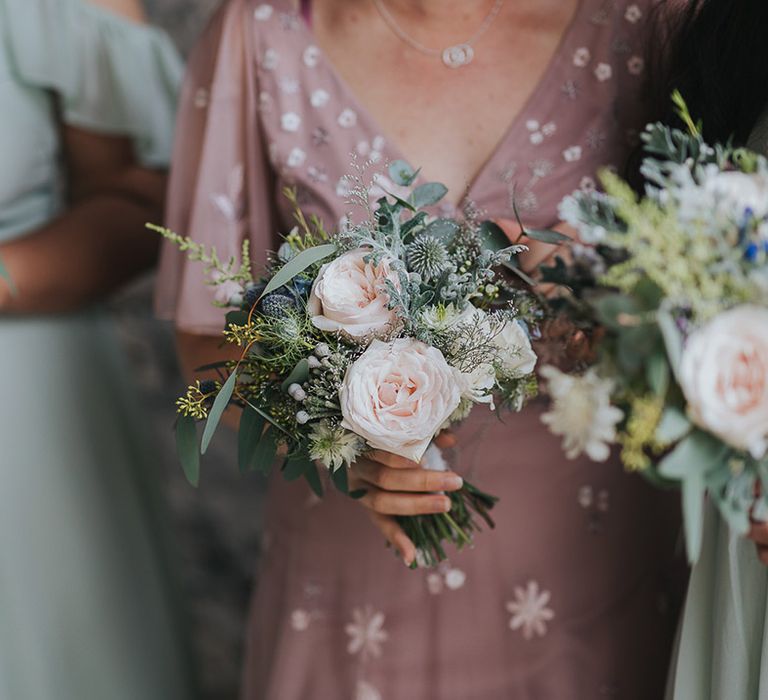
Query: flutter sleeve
{"type": "Point", "coordinates": [222, 188]}
{"type": "Point", "coordinates": [110, 75]}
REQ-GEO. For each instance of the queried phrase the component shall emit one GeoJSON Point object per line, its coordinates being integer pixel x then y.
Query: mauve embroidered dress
{"type": "Point", "coordinates": [571, 596]}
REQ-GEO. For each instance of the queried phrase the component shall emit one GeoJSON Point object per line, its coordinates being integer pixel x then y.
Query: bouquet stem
{"type": "Point", "coordinates": [469, 506]}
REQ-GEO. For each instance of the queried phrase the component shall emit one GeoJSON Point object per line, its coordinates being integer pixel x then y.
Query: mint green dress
{"type": "Point", "coordinates": [86, 608]}
{"type": "Point", "coordinates": [722, 651]}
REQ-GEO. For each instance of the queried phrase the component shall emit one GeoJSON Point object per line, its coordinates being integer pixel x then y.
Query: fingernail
{"type": "Point", "coordinates": [443, 505]}
{"type": "Point", "coordinates": [452, 482]}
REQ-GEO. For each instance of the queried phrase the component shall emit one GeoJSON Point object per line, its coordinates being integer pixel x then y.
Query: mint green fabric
{"type": "Point", "coordinates": [108, 75]}
{"type": "Point", "coordinates": [722, 651]}
{"type": "Point", "coordinates": [87, 609]}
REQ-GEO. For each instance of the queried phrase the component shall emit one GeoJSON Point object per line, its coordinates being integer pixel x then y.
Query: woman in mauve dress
{"type": "Point", "coordinates": [572, 595]}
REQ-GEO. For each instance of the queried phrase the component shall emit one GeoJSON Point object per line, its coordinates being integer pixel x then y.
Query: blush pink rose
{"type": "Point", "coordinates": [397, 395]}
{"type": "Point", "coordinates": [350, 295]}
{"type": "Point", "coordinates": [724, 376]}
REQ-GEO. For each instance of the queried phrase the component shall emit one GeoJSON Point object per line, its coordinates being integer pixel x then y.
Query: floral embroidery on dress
{"type": "Point", "coordinates": [636, 65]}
{"type": "Point", "coordinates": [300, 620]}
{"type": "Point", "coordinates": [263, 12]}
{"type": "Point", "coordinates": [290, 121]}
{"type": "Point", "coordinates": [633, 14]}
{"type": "Point", "coordinates": [201, 98]}
{"type": "Point", "coordinates": [581, 57]}
{"type": "Point", "coordinates": [311, 56]}
{"type": "Point", "coordinates": [319, 98]}
{"type": "Point", "coordinates": [347, 119]}
{"type": "Point", "coordinates": [529, 610]}
{"type": "Point", "coordinates": [446, 576]}
{"type": "Point", "coordinates": [572, 154]}
{"type": "Point", "coordinates": [603, 72]}
{"type": "Point", "coordinates": [366, 632]}
{"type": "Point", "coordinates": [596, 504]}
{"type": "Point", "coordinates": [365, 691]}
{"type": "Point", "coordinates": [270, 60]}
{"type": "Point", "coordinates": [296, 158]}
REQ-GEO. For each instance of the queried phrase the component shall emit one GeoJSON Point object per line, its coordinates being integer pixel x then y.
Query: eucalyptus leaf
{"type": "Point", "coordinates": [402, 202]}
{"type": "Point", "coordinates": [673, 426]}
{"type": "Point", "coordinates": [402, 173]}
{"type": "Point", "coordinates": [270, 419]}
{"type": "Point", "coordinates": [428, 194]}
{"type": "Point", "coordinates": [492, 236]}
{"type": "Point", "coordinates": [313, 479]}
{"type": "Point", "coordinates": [612, 307]}
{"type": "Point", "coordinates": [219, 406]}
{"type": "Point", "coordinates": [248, 437]}
{"type": "Point", "coordinates": [693, 515]}
{"type": "Point", "coordinates": [298, 375]}
{"type": "Point", "coordinates": [673, 340]}
{"type": "Point", "coordinates": [297, 265]}
{"type": "Point", "coordinates": [340, 479]}
{"type": "Point", "coordinates": [512, 267]}
{"type": "Point", "coordinates": [547, 236]}
{"type": "Point", "coordinates": [187, 448]}
{"type": "Point", "coordinates": [295, 467]}
{"type": "Point", "coordinates": [696, 454]}
{"type": "Point", "coordinates": [658, 374]}
{"type": "Point", "coordinates": [266, 451]}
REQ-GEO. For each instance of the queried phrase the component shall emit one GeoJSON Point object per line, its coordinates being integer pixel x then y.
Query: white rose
{"type": "Point", "coordinates": [724, 376]}
{"type": "Point", "coordinates": [735, 192]}
{"type": "Point", "coordinates": [513, 346]}
{"type": "Point", "coordinates": [350, 295]}
{"type": "Point", "coordinates": [477, 385]}
{"type": "Point", "coordinates": [397, 395]}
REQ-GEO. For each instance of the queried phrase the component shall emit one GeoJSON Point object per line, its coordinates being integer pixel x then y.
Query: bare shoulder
{"type": "Point", "coordinates": [130, 9]}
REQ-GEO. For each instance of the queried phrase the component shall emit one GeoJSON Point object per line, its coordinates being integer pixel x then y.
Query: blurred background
{"type": "Point", "coordinates": [215, 529]}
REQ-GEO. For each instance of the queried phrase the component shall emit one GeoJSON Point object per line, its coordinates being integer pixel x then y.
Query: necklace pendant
{"type": "Point", "coordinates": [458, 56]}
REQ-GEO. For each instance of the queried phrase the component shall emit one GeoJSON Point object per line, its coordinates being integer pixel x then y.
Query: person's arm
{"type": "Point", "coordinates": [98, 242]}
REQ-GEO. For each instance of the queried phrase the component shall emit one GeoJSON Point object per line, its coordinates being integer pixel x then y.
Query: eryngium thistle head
{"type": "Point", "coordinates": [428, 257]}
{"type": "Point", "coordinates": [277, 305]}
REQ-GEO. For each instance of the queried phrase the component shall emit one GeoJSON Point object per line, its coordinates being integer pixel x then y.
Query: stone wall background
{"type": "Point", "coordinates": [214, 530]}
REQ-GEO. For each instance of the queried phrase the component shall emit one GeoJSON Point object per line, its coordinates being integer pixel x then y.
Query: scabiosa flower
{"type": "Point", "coordinates": [332, 445]}
{"type": "Point", "coordinates": [582, 412]}
{"type": "Point", "coordinates": [427, 257]}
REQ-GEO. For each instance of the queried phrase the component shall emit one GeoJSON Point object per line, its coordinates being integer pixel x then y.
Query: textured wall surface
{"type": "Point", "coordinates": [214, 529]}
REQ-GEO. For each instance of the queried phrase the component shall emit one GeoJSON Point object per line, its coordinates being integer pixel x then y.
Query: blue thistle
{"type": "Point", "coordinates": [276, 305]}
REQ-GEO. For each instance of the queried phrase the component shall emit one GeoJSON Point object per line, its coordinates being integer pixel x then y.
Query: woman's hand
{"type": "Point", "coordinates": [396, 486]}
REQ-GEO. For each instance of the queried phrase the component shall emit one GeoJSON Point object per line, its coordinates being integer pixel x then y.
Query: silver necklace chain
{"type": "Point", "coordinates": [454, 56]}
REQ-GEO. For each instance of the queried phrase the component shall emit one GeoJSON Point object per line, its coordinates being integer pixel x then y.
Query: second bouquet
{"type": "Point", "coordinates": [376, 337]}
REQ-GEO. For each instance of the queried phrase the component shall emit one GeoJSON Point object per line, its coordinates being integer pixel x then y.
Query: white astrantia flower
{"type": "Point", "coordinates": [333, 446]}
{"type": "Point", "coordinates": [477, 385]}
{"type": "Point", "coordinates": [441, 317]}
{"type": "Point", "coordinates": [581, 412]}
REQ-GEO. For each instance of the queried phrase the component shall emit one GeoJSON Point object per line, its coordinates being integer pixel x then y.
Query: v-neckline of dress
{"type": "Point", "coordinates": [393, 148]}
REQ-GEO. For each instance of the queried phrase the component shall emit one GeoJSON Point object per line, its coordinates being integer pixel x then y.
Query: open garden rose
{"type": "Point", "coordinates": [724, 376]}
{"type": "Point", "coordinates": [397, 395]}
{"type": "Point", "coordinates": [350, 295]}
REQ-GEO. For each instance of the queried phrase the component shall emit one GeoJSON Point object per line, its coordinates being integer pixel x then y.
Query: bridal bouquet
{"type": "Point", "coordinates": [674, 287]}
{"type": "Point", "coordinates": [376, 337]}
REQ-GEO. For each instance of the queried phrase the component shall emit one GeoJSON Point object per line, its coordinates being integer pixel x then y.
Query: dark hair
{"type": "Point", "coordinates": [716, 55]}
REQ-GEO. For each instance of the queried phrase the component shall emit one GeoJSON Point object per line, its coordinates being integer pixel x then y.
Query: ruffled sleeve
{"type": "Point", "coordinates": [111, 75]}
{"type": "Point", "coordinates": [222, 185]}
